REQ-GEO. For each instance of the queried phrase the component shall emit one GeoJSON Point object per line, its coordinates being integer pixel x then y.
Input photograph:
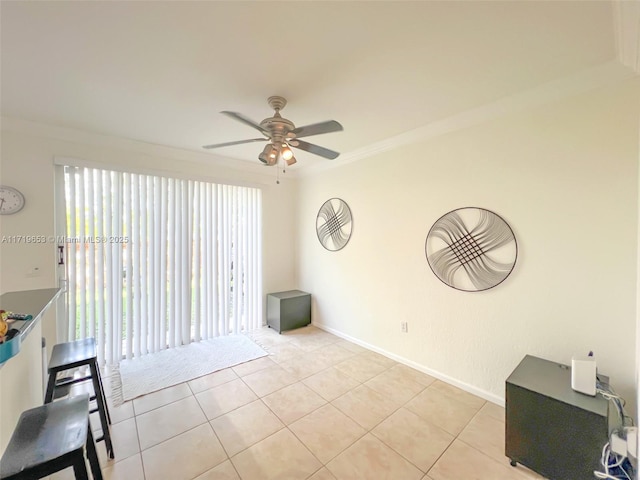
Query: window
{"type": "Point", "coordinates": [156, 262]}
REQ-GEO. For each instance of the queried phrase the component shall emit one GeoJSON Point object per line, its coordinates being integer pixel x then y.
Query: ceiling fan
{"type": "Point", "coordinates": [282, 134]}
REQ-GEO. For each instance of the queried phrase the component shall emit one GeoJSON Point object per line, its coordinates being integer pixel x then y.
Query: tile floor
{"type": "Point", "coordinates": [317, 408]}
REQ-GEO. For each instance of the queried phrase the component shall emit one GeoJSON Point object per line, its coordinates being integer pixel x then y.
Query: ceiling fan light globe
{"type": "Point", "coordinates": [286, 152]}
{"type": "Point", "coordinates": [268, 155]}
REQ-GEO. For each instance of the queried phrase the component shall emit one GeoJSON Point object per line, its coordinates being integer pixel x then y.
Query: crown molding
{"type": "Point", "coordinates": [583, 81]}
{"type": "Point", "coordinates": [626, 22]}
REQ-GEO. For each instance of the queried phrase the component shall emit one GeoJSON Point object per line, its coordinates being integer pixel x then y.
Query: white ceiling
{"type": "Point", "coordinates": [160, 72]}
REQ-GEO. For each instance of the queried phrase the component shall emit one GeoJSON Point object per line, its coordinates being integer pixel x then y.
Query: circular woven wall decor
{"type": "Point", "coordinates": [471, 249]}
{"type": "Point", "coordinates": [333, 224]}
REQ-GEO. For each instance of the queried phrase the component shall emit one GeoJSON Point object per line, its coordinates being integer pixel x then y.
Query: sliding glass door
{"type": "Point", "coordinates": [156, 262]}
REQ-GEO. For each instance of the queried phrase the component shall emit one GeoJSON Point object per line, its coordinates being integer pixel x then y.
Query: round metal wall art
{"type": "Point", "coordinates": [471, 249]}
{"type": "Point", "coordinates": [334, 224]}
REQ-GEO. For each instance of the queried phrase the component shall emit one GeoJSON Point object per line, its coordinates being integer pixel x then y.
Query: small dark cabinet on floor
{"type": "Point", "coordinates": [551, 428]}
{"type": "Point", "coordinates": [288, 310]}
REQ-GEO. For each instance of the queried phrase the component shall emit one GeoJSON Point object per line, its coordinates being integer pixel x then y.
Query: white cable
{"type": "Point", "coordinates": [608, 394]}
{"type": "Point", "coordinates": [604, 460]}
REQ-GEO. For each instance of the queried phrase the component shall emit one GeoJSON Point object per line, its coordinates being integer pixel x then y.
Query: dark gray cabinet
{"type": "Point", "coordinates": [288, 310]}
{"type": "Point", "coordinates": [551, 428]}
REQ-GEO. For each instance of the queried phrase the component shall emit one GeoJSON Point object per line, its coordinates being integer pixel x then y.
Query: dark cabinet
{"type": "Point", "coordinates": [288, 310]}
{"type": "Point", "coordinates": [550, 428]}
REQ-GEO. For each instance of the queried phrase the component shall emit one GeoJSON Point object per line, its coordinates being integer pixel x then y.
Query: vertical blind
{"type": "Point", "coordinates": [157, 262]}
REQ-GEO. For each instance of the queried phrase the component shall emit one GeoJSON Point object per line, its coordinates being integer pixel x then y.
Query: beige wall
{"type": "Point", "coordinates": [564, 176]}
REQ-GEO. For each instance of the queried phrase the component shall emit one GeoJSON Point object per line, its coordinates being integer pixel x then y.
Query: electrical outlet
{"type": "Point", "coordinates": [404, 326]}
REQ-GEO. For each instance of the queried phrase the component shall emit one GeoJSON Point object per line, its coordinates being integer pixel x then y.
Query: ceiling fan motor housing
{"type": "Point", "coordinates": [277, 126]}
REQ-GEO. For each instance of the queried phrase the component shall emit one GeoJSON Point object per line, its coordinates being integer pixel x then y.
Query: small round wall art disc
{"type": "Point", "coordinates": [334, 224]}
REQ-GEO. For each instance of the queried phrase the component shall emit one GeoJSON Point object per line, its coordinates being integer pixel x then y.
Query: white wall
{"type": "Point", "coordinates": [565, 177]}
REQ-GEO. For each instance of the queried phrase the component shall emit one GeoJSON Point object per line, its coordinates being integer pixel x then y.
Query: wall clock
{"type": "Point", "coordinates": [11, 200]}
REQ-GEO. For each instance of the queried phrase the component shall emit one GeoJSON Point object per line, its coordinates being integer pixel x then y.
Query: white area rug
{"type": "Point", "coordinates": [156, 371]}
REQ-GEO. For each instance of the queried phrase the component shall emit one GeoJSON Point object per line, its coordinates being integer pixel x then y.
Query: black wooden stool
{"type": "Point", "coordinates": [66, 356]}
{"type": "Point", "coordinates": [51, 438]}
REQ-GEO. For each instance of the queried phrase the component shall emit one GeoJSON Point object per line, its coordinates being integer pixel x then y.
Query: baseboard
{"type": "Point", "coordinates": [434, 373]}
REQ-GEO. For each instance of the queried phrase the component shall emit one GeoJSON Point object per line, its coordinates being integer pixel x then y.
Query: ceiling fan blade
{"type": "Point", "coordinates": [317, 129]}
{"type": "Point", "coordinates": [246, 121]}
{"type": "Point", "coordinates": [238, 142]}
{"type": "Point", "coordinates": [316, 150]}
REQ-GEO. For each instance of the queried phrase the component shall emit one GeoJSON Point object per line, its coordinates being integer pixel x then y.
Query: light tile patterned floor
{"type": "Point", "coordinates": [318, 408]}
